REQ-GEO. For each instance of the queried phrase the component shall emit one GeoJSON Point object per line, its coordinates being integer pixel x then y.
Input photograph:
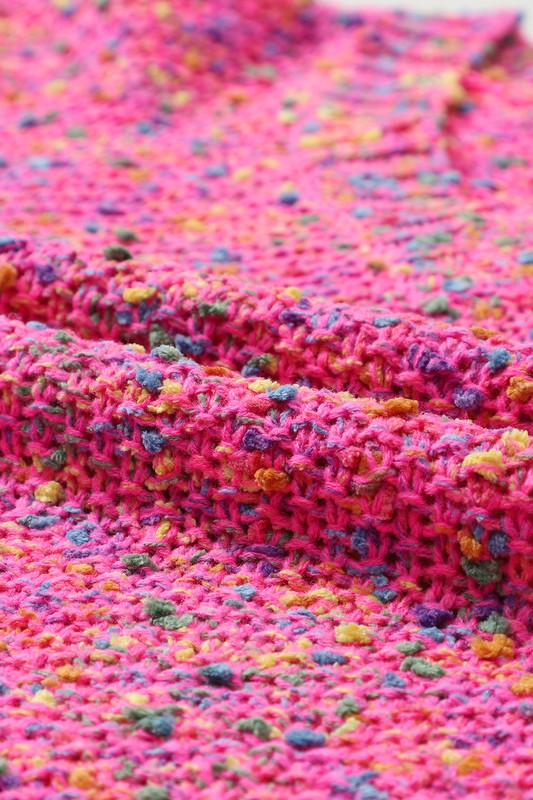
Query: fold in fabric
{"type": "Point", "coordinates": [477, 373]}
{"type": "Point", "coordinates": [251, 461]}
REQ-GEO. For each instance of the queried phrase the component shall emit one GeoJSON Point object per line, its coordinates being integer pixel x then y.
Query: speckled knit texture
{"type": "Point", "coordinates": [266, 403]}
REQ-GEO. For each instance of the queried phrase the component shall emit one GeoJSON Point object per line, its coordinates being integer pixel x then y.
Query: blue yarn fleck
{"type": "Point", "coordinates": [160, 726]}
{"type": "Point", "coordinates": [328, 658]}
{"type": "Point", "coordinates": [217, 674]}
{"type": "Point", "coordinates": [498, 358]}
{"type": "Point", "coordinates": [385, 322]}
{"type": "Point", "coordinates": [436, 634]}
{"type": "Point", "coordinates": [289, 198]}
{"type": "Point", "coordinates": [498, 544]}
{"type": "Point", "coordinates": [360, 212]}
{"type": "Point", "coordinates": [458, 285]}
{"type": "Point", "coordinates": [303, 739]}
{"type": "Point", "coordinates": [385, 595]}
{"type": "Point", "coordinates": [149, 379]}
{"type": "Point", "coordinates": [37, 522]}
{"type": "Point", "coordinates": [222, 255]}
{"type": "Point", "coordinates": [188, 346]}
{"type": "Point", "coordinates": [393, 681]}
{"type": "Point", "coordinates": [216, 171]}
{"type": "Point", "coordinates": [247, 591]}
{"type": "Point", "coordinates": [285, 392]}
{"type": "Point", "coordinates": [525, 257]}
{"type": "Point", "coordinates": [78, 536]}
{"type": "Point", "coordinates": [152, 441]}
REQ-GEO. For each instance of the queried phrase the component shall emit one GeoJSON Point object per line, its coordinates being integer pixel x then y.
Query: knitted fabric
{"type": "Point", "coordinates": [266, 403]}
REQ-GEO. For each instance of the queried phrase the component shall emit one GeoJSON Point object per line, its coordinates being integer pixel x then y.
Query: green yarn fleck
{"type": "Point", "coordinates": [152, 793]}
{"type": "Point", "coordinates": [410, 648]}
{"type": "Point", "coordinates": [158, 336]}
{"type": "Point", "coordinates": [256, 725]}
{"type": "Point", "coordinates": [135, 561]}
{"type": "Point", "coordinates": [346, 707]}
{"type": "Point", "coordinates": [216, 309]}
{"type": "Point", "coordinates": [174, 623]}
{"type": "Point", "coordinates": [495, 624]}
{"type": "Point", "coordinates": [126, 235]}
{"type": "Point", "coordinates": [436, 305]}
{"type": "Point", "coordinates": [156, 608]}
{"type": "Point", "coordinates": [167, 352]}
{"type": "Point", "coordinates": [483, 572]}
{"type": "Point", "coordinates": [422, 667]}
{"type": "Point", "coordinates": [125, 771]}
{"type": "Point", "coordinates": [115, 252]}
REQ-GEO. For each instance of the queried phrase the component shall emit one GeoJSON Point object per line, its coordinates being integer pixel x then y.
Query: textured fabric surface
{"type": "Point", "coordinates": [266, 403]}
{"type": "Point", "coordinates": [523, 7]}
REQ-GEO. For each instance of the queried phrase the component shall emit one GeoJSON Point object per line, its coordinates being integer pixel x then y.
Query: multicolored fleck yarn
{"type": "Point", "coordinates": [266, 403]}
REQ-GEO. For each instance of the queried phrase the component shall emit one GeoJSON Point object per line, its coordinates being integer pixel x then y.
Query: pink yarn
{"type": "Point", "coordinates": [266, 383]}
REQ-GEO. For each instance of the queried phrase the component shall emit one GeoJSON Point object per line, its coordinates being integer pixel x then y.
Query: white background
{"type": "Point", "coordinates": [449, 7]}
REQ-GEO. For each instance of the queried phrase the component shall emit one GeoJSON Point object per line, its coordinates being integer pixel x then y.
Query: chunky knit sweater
{"type": "Point", "coordinates": [266, 403]}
